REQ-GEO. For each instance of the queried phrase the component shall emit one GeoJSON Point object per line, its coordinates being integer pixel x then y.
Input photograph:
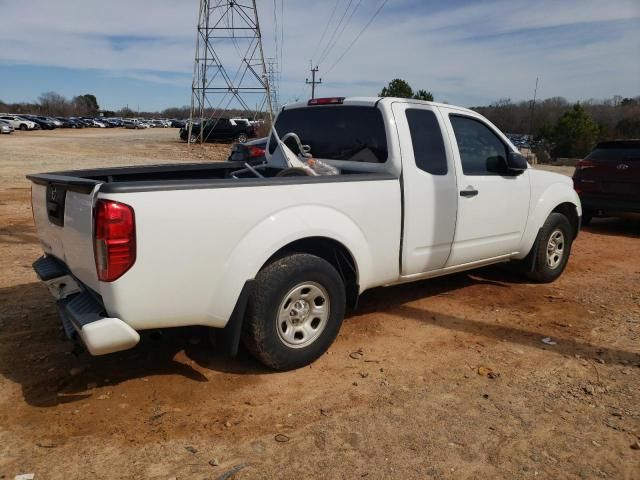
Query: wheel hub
{"type": "Point", "coordinates": [303, 314]}
{"type": "Point", "coordinates": [555, 249]}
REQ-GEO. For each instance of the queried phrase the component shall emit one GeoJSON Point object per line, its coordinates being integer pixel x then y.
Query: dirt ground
{"type": "Point", "coordinates": [445, 378]}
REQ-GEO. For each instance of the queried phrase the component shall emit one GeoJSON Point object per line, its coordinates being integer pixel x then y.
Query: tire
{"type": "Point", "coordinates": [292, 172]}
{"type": "Point", "coordinates": [281, 328]}
{"type": "Point", "coordinates": [552, 249]}
{"type": "Point", "coordinates": [242, 138]}
{"type": "Point", "coordinates": [586, 218]}
{"type": "Point", "coordinates": [23, 127]}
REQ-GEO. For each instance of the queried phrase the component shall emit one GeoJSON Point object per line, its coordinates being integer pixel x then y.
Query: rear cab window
{"type": "Point", "coordinates": [345, 132]}
{"type": "Point", "coordinates": [428, 144]}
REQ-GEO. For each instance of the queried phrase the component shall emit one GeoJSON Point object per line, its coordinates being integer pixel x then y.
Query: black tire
{"type": "Point", "coordinates": [586, 218]}
{"type": "Point", "coordinates": [263, 328]}
{"type": "Point", "coordinates": [23, 127]}
{"type": "Point", "coordinates": [293, 172]}
{"type": "Point", "coordinates": [546, 267]}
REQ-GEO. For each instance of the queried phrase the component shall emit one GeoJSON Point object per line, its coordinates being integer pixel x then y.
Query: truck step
{"type": "Point", "coordinates": [48, 268]}
{"type": "Point", "coordinates": [82, 309]}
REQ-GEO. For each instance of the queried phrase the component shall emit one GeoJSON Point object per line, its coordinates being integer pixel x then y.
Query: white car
{"type": "Point", "coordinates": [422, 190]}
{"type": "Point", "coordinates": [19, 123]}
{"type": "Point", "coordinates": [6, 127]}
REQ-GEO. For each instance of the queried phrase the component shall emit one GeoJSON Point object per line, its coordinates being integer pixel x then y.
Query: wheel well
{"type": "Point", "coordinates": [569, 210]}
{"type": "Point", "coordinates": [333, 252]}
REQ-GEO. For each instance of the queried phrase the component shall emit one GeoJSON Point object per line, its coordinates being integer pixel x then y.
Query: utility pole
{"type": "Point", "coordinates": [229, 69]}
{"type": "Point", "coordinates": [313, 82]}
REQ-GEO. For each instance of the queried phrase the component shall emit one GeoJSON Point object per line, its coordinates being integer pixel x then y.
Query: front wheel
{"type": "Point", "coordinates": [295, 311]}
{"type": "Point", "coordinates": [552, 249]}
{"type": "Point", "coordinates": [23, 127]}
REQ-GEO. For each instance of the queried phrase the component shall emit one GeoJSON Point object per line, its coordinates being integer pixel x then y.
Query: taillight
{"type": "Point", "coordinates": [584, 164]}
{"type": "Point", "coordinates": [114, 245]}
{"type": "Point", "coordinates": [255, 152]}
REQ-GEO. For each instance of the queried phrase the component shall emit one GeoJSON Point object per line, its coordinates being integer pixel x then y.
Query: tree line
{"type": "Point", "coordinates": [560, 128]}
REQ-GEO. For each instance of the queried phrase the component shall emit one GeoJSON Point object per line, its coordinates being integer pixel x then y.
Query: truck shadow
{"type": "Point", "coordinates": [626, 226]}
{"type": "Point", "coordinates": [33, 355]}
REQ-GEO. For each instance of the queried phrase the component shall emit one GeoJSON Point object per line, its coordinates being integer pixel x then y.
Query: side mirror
{"type": "Point", "coordinates": [516, 163]}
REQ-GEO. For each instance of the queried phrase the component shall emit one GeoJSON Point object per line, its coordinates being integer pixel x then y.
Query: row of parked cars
{"type": "Point", "coordinates": [24, 122]}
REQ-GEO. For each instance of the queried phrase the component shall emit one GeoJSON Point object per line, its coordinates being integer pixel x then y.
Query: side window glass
{"type": "Point", "coordinates": [481, 151]}
{"type": "Point", "coordinates": [428, 145]}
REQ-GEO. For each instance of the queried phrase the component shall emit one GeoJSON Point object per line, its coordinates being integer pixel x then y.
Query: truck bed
{"type": "Point", "coordinates": [182, 176]}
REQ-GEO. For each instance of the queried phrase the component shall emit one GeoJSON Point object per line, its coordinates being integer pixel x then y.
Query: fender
{"type": "Point", "coordinates": [275, 232]}
{"type": "Point", "coordinates": [543, 202]}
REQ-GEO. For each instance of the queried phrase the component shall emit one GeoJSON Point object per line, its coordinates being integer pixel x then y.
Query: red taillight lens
{"type": "Point", "coordinates": [326, 101]}
{"type": "Point", "coordinates": [584, 164]}
{"type": "Point", "coordinates": [114, 246]}
{"type": "Point", "coordinates": [255, 152]}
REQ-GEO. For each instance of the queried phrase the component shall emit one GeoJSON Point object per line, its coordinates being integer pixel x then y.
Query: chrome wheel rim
{"type": "Point", "coordinates": [242, 138]}
{"type": "Point", "coordinates": [555, 249]}
{"type": "Point", "coordinates": [303, 315]}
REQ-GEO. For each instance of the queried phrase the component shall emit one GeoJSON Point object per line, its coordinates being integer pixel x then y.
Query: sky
{"type": "Point", "coordinates": [140, 53]}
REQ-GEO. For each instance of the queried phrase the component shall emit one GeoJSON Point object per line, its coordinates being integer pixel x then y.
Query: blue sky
{"type": "Point", "coordinates": [140, 53]}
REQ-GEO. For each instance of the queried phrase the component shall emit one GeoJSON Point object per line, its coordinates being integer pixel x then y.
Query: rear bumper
{"type": "Point", "coordinates": [82, 312]}
{"type": "Point", "coordinates": [606, 203]}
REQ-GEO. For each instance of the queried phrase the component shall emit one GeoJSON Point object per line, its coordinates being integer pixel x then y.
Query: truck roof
{"type": "Point", "coordinates": [364, 101]}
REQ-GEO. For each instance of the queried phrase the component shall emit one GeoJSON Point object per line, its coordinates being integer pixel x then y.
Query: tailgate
{"type": "Point", "coordinates": [63, 215]}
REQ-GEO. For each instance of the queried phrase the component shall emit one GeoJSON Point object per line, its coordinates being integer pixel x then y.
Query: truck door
{"type": "Point", "coordinates": [429, 188]}
{"type": "Point", "coordinates": [493, 204]}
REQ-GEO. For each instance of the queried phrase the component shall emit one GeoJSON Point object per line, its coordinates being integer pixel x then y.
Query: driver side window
{"type": "Point", "coordinates": [481, 151]}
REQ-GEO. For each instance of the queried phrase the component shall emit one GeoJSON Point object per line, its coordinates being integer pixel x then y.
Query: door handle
{"type": "Point", "coordinates": [468, 192]}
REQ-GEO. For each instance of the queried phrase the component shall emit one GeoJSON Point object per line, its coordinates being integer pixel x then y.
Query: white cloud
{"type": "Point", "coordinates": [471, 54]}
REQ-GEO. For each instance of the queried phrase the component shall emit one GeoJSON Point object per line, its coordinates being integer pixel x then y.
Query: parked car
{"type": "Point", "coordinates": [56, 122]}
{"type": "Point", "coordinates": [252, 152]}
{"type": "Point", "coordinates": [131, 124]}
{"type": "Point", "coordinates": [65, 122]}
{"type": "Point", "coordinates": [43, 122]}
{"type": "Point", "coordinates": [275, 259]}
{"type": "Point", "coordinates": [608, 179]}
{"type": "Point", "coordinates": [219, 129]}
{"type": "Point", "coordinates": [6, 126]}
{"type": "Point", "coordinates": [20, 123]}
{"type": "Point", "coordinates": [178, 123]}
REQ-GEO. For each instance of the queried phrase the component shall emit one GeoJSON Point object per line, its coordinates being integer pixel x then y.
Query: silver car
{"type": "Point", "coordinates": [6, 127]}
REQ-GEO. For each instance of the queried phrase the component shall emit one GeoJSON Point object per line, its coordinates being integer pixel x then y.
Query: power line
{"type": "Point", "coordinates": [281, 39]}
{"type": "Point", "coordinates": [344, 14]}
{"type": "Point", "coordinates": [326, 27]}
{"type": "Point", "coordinates": [344, 26]}
{"type": "Point", "coordinates": [357, 37]}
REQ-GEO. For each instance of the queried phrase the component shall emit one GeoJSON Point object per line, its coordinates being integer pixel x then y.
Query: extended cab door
{"type": "Point", "coordinates": [429, 188]}
{"type": "Point", "coordinates": [493, 203]}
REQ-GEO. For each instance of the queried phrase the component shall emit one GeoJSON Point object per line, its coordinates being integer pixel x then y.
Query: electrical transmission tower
{"type": "Point", "coordinates": [229, 72]}
{"type": "Point", "coordinates": [272, 76]}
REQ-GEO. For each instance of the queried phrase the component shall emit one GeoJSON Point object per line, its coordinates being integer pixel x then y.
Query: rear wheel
{"type": "Point", "coordinates": [242, 138]}
{"type": "Point", "coordinates": [295, 311]}
{"type": "Point", "coordinates": [552, 249]}
{"type": "Point", "coordinates": [586, 217]}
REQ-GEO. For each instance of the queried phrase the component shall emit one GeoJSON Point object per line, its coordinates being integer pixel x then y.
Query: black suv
{"type": "Point", "coordinates": [219, 129]}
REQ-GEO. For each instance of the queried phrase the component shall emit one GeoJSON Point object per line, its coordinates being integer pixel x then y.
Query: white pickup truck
{"type": "Point", "coordinates": [423, 190]}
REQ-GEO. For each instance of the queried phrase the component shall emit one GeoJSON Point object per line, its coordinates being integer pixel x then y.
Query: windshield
{"type": "Point", "coordinates": [348, 133]}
